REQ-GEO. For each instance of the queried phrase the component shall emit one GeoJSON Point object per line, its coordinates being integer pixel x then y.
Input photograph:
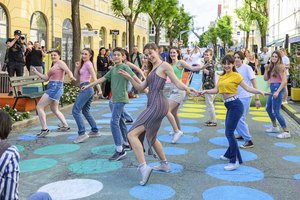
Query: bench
{"type": "Point", "coordinates": [24, 81]}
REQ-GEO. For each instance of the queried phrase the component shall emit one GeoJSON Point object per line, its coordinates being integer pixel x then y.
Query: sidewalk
{"type": "Point", "coordinates": [292, 108]}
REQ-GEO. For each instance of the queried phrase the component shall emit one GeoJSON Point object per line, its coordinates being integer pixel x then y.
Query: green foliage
{"type": "Point", "coordinates": [179, 22]}
{"type": "Point", "coordinates": [14, 114]}
{"type": "Point", "coordinates": [209, 37]}
{"type": "Point", "coordinates": [204, 40]}
{"type": "Point", "coordinates": [244, 15]}
{"type": "Point", "coordinates": [295, 75]}
{"type": "Point", "coordinates": [224, 29]}
{"type": "Point", "coordinates": [70, 93]}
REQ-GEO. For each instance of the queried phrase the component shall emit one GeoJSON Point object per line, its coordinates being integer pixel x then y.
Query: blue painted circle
{"type": "Point", "coordinates": [246, 155]}
{"type": "Point", "coordinates": [131, 109]}
{"type": "Point", "coordinates": [222, 131]}
{"type": "Point", "coordinates": [297, 176]}
{"type": "Point", "coordinates": [284, 145]}
{"type": "Point", "coordinates": [57, 149]}
{"type": "Point", "coordinates": [104, 150]}
{"type": "Point", "coordinates": [185, 139]}
{"type": "Point", "coordinates": [72, 137]}
{"type": "Point", "coordinates": [94, 166]}
{"type": "Point", "coordinates": [273, 134]}
{"type": "Point", "coordinates": [242, 174]}
{"type": "Point", "coordinates": [295, 159]}
{"type": "Point", "coordinates": [20, 148]}
{"type": "Point", "coordinates": [106, 115]}
{"type": "Point", "coordinates": [188, 121]}
{"type": "Point", "coordinates": [53, 128]}
{"type": "Point", "coordinates": [152, 192]}
{"type": "Point", "coordinates": [235, 192]}
{"type": "Point", "coordinates": [185, 129]}
{"type": "Point", "coordinates": [175, 168]}
{"type": "Point", "coordinates": [267, 125]}
{"type": "Point", "coordinates": [103, 121]}
{"type": "Point", "coordinates": [222, 141]}
{"type": "Point", "coordinates": [134, 105]}
{"type": "Point", "coordinates": [175, 151]}
{"type": "Point", "coordinates": [37, 164]}
{"type": "Point", "coordinates": [27, 137]}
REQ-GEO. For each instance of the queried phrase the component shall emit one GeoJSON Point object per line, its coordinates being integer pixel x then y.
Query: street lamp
{"type": "Point", "coordinates": [126, 12]}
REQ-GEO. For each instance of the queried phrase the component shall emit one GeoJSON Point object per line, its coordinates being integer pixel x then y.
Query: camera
{"type": "Point", "coordinates": [22, 37]}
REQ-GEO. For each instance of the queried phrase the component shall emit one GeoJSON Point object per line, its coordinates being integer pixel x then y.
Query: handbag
{"type": "Point", "coordinates": [4, 67]}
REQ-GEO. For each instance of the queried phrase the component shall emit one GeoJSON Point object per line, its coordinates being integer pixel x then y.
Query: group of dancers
{"type": "Point", "coordinates": [159, 75]}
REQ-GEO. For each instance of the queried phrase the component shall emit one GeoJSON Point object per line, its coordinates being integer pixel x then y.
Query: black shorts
{"type": "Point", "coordinates": [15, 68]}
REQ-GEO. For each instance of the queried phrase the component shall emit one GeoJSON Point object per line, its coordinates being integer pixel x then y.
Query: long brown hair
{"type": "Point", "coordinates": [228, 59]}
{"type": "Point", "coordinates": [150, 46]}
{"type": "Point", "coordinates": [5, 125]}
{"type": "Point", "coordinates": [275, 67]}
{"type": "Point", "coordinates": [91, 52]}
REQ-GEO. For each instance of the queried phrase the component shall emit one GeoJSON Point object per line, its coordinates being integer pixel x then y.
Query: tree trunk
{"type": "Point", "coordinates": [247, 39]}
{"type": "Point", "coordinates": [76, 33]}
{"type": "Point", "coordinates": [131, 36]}
{"type": "Point", "coordinates": [263, 41]}
{"type": "Point", "coordinates": [157, 35]}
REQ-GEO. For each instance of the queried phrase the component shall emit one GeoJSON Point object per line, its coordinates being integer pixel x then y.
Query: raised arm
{"type": "Point", "coordinates": [136, 68]}
{"type": "Point", "coordinates": [63, 66]}
{"type": "Point", "coordinates": [42, 76]}
{"type": "Point", "coordinates": [134, 80]}
{"type": "Point", "coordinates": [189, 67]}
{"type": "Point", "coordinates": [251, 89]}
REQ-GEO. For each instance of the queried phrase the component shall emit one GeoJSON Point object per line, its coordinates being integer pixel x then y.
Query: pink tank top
{"type": "Point", "coordinates": [276, 79]}
{"type": "Point", "coordinates": [55, 73]}
{"type": "Point", "coordinates": [85, 74]}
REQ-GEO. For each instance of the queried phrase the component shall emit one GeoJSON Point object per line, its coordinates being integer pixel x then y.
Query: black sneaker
{"type": "Point", "coordinates": [19, 93]}
{"type": "Point", "coordinates": [247, 145]}
{"type": "Point", "coordinates": [118, 155]}
{"type": "Point", "coordinates": [10, 93]}
{"type": "Point", "coordinates": [127, 147]}
{"type": "Point", "coordinates": [43, 133]}
{"type": "Point", "coordinates": [238, 137]}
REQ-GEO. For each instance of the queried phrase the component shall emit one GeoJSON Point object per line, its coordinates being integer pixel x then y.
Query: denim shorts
{"type": "Point", "coordinates": [55, 90]}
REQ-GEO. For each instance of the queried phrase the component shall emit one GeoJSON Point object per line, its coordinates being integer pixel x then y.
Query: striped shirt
{"type": "Point", "coordinates": [9, 174]}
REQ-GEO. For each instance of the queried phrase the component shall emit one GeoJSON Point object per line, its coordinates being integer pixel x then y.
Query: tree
{"type": "Point", "coordinates": [224, 29]}
{"type": "Point", "coordinates": [259, 13]}
{"type": "Point", "coordinates": [213, 37]}
{"type": "Point", "coordinates": [204, 40]}
{"type": "Point", "coordinates": [244, 15]}
{"type": "Point", "coordinates": [160, 11]}
{"type": "Point", "coordinates": [180, 22]}
{"type": "Point", "coordinates": [136, 7]}
{"type": "Point", "coordinates": [76, 31]}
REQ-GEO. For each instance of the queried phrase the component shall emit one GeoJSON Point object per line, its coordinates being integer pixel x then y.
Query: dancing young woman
{"type": "Point", "coordinates": [55, 90]}
{"type": "Point", "coordinates": [227, 86]}
{"type": "Point", "coordinates": [150, 119]}
{"type": "Point", "coordinates": [275, 73]}
{"type": "Point", "coordinates": [177, 96]}
{"type": "Point", "coordinates": [85, 71]}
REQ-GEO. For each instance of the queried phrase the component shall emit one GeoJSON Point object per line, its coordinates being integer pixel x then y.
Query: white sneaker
{"type": "Point", "coordinates": [94, 134]}
{"type": "Point", "coordinates": [146, 172]}
{"type": "Point", "coordinates": [231, 166]}
{"type": "Point", "coordinates": [284, 135]}
{"type": "Point", "coordinates": [164, 167]}
{"type": "Point", "coordinates": [81, 138]}
{"type": "Point", "coordinates": [273, 129]}
{"type": "Point", "coordinates": [176, 137]}
{"type": "Point", "coordinates": [171, 133]}
{"type": "Point", "coordinates": [224, 158]}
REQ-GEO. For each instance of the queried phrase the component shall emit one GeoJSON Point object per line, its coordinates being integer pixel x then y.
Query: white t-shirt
{"type": "Point", "coordinates": [286, 61]}
{"type": "Point", "coordinates": [264, 58]}
{"type": "Point", "coordinates": [248, 74]}
{"type": "Point", "coordinates": [187, 58]}
{"type": "Point", "coordinates": [196, 58]}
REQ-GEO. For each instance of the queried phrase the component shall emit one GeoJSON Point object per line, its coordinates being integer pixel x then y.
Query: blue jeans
{"type": "Point", "coordinates": [242, 126]}
{"type": "Point", "coordinates": [117, 123]}
{"type": "Point", "coordinates": [274, 105]}
{"type": "Point", "coordinates": [83, 104]}
{"type": "Point", "coordinates": [235, 111]}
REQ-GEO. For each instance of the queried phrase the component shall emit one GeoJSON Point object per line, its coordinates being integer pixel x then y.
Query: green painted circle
{"type": "Point", "coordinates": [190, 115]}
{"type": "Point", "coordinates": [37, 164]}
{"type": "Point", "coordinates": [94, 166]}
{"type": "Point", "coordinates": [20, 148]}
{"type": "Point", "coordinates": [57, 149]}
{"type": "Point", "coordinates": [192, 110]}
{"type": "Point", "coordinates": [104, 150]}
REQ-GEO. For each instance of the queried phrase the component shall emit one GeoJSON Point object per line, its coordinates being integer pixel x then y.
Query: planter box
{"type": "Point", "coordinates": [295, 94]}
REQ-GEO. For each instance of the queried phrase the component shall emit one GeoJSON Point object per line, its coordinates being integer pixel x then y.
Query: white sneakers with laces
{"type": "Point", "coordinates": [284, 135]}
{"type": "Point", "coordinates": [273, 129]}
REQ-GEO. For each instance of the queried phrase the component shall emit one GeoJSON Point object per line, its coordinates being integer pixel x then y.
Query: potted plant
{"type": "Point", "coordinates": [295, 81]}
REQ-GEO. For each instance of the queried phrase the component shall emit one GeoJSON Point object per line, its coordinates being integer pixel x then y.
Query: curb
{"type": "Point", "coordinates": [291, 112]}
{"type": "Point", "coordinates": [35, 119]}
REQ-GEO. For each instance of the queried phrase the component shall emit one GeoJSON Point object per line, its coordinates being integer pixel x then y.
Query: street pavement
{"type": "Point", "coordinates": [271, 169]}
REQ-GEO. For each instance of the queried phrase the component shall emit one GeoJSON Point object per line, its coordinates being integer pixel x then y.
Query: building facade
{"type": "Point", "coordinates": [49, 22]}
{"type": "Point", "coordinates": [284, 23]}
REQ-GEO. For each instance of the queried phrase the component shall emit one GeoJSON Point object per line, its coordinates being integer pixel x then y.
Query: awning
{"type": "Point", "coordinates": [278, 42]}
{"type": "Point", "coordinates": [294, 39]}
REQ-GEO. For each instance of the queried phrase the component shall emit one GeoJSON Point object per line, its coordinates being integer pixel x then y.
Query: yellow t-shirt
{"type": "Point", "coordinates": [228, 83]}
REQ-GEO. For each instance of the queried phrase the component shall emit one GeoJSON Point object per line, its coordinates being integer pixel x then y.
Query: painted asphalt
{"type": "Point", "coordinates": [271, 170]}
